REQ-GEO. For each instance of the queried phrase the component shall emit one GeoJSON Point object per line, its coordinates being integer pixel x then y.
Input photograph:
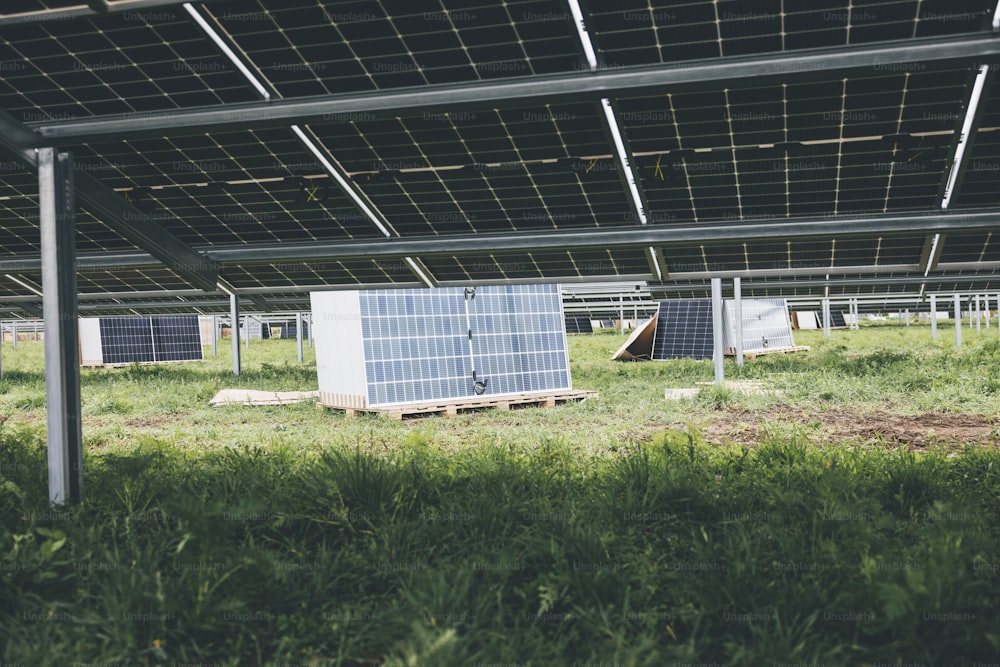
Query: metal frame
{"type": "Point", "coordinates": [731, 72]}
{"type": "Point", "coordinates": [17, 142]}
{"type": "Point", "coordinates": [93, 8]}
{"type": "Point", "coordinates": [57, 211]}
{"type": "Point", "coordinates": [512, 242]}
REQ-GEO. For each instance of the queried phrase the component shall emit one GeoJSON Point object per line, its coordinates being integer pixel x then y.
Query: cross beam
{"type": "Point", "coordinates": [526, 91]}
{"type": "Point", "coordinates": [857, 226]}
{"type": "Point", "coordinates": [17, 142]}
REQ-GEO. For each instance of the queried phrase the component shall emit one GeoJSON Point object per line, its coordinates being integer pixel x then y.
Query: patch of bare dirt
{"type": "Point", "coordinates": [148, 422]}
{"type": "Point", "coordinates": [914, 431]}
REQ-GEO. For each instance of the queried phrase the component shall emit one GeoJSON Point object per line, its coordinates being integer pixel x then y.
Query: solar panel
{"type": "Point", "coordinates": [125, 340]}
{"type": "Point", "coordinates": [806, 319]}
{"type": "Point", "coordinates": [518, 343]}
{"type": "Point", "coordinates": [837, 319]}
{"type": "Point", "coordinates": [579, 325]}
{"type": "Point", "coordinates": [683, 329]}
{"type": "Point", "coordinates": [385, 347]}
{"type": "Point", "coordinates": [765, 324]}
{"type": "Point", "coordinates": [111, 341]}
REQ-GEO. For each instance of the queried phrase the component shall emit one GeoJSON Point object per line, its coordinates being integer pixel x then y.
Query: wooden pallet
{"type": "Point", "coordinates": [97, 364]}
{"type": "Point", "coordinates": [503, 402]}
{"type": "Point", "coordinates": [775, 350]}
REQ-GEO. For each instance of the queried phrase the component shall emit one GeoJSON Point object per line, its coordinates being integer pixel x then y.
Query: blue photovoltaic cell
{"type": "Point", "coordinates": [518, 338]}
{"type": "Point", "coordinates": [579, 325]}
{"type": "Point", "coordinates": [418, 346]}
{"type": "Point", "coordinates": [683, 330]}
{"type": "Point", "coordinates": [177, 338]}
{"type": "Point", "coordinates": [126, 340]}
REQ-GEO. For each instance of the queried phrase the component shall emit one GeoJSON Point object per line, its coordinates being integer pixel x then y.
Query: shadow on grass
{"type": "Point", "coordinates": [673, 551]}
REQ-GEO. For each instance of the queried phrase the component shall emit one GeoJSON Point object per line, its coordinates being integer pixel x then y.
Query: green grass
{"type": "Point", "coordinates": [604, 532]}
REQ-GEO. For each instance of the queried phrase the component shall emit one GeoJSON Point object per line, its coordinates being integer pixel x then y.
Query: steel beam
{"type": "Point", "coordinates": [515, 92]}
{"type": "Point", "coordinates": [933, 317]}
{"type": "Point", "coordinates": [298, 335]}
{"type": "Point", "coordinates": [93, 8]}
{"type": "Point", "coordinates": [860, 226]}
{"type": "Point", "coordinates": [717, 333]}
{"type": "Point", "coordinates": [738, 316]}
{"type": "Point", "coordinates": [17, 142]}
{"type": "Point", "coordinates": [958, 321]}
{"type": "Point", "coordinates": [57, 211]}
{"type": "Point", "coordinates": [234, 328]}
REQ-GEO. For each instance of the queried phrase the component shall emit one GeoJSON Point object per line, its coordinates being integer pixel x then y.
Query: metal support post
{"type": "Point", "coordinates": [57, 210]}
{"type": "Point", "coordinates": [933, 317]}
{"type": "Point", "coordinates": [215, 335]}
{"type": "Point", "coordinates": [979, 316]}
{"type": "Point", "coordinates": [738, 302]}
{"type": "Point", "coordinates": [298, 335]}
{"type": "Point", "coordinates": [717, 337]}
{"type": "Point", "coordinates": [309, 332]}
{"type": "Point", "coordinates": [826, 317]}
{"type": "Point", "coordinates": [15, 335]}
{"type": "Point", "coordinates": [246, 330]}
{"type": "Point", "coordinates": [906, 314]}
{"type": "Point", "coordinates": [958, 321]}
{"type": "Point", "coordinates": [234, 327]}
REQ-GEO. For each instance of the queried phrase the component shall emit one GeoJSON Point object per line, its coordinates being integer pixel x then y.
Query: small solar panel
{"type": "Point", "coordinates": [176, 338]}
{"type": "Point", "coordinates": [765, 324]}
{"type": "Point", "coordinates": [128, 340]}
{"type": "Point", "coordinates": [579, 325]}
{"type": "Point", "coordinates": [683, 330]}
{"type": "Point", "coordinates": [386, 347]}
{"type": "Point", "coordinates": [837, 320]}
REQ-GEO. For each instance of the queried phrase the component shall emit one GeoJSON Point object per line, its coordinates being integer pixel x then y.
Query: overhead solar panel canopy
{"type": "Point", "coordinates": [270, 148]}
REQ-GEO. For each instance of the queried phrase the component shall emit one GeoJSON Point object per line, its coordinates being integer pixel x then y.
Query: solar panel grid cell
{"type": "Point", "coordinates": [126, 340]}
{"type": "Point", "coordinates": [683, 329]}
{"type": "Point", "coordinates": [418, 347]}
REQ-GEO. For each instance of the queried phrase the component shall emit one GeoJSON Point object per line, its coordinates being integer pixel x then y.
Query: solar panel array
{"type": "Point", "coordinates": [127, 340]}
{"type": "Point", "coordinates": [409, 346]}
{"type": "Point", "coordinates": [683, 330]}
{"type": "Point", "coordinates": [802, 143]}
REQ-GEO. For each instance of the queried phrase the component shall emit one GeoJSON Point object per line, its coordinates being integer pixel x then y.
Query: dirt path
{"type": "Point", "coordinates": [837, 425]}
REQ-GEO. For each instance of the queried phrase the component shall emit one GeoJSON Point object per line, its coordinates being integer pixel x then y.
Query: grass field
{"type": "Point", "coordinates": [849, 517]}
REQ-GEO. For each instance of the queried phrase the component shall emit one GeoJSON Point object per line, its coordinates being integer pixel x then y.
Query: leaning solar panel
{"type": "Point", "coordinates": [579, 325]}
{"type": "Point", "coordinates": [837, 319]}
{"type": "Point", "coordinates": [766, 324]}
{"type": "Point", "coordinates": [683, 330]}
{"type": "Point", "coordinates": [390, 347]}
{"type": "Point", "coordinates": [111, 341]}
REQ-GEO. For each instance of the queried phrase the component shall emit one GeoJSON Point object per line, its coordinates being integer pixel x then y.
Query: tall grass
{"type": "Point", "coordinates": [292, 536]}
